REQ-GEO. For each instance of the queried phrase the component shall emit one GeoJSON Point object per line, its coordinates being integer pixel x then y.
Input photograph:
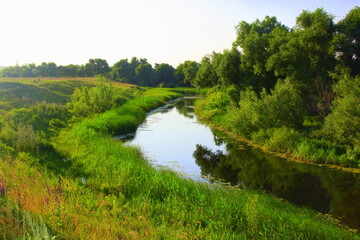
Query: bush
{"type": "Point", "coordinates": [246, 118]}
{"type": "Point", "coordinates": [342, 125]}
{"type": "Point", "coordinates": [283, 107]}
{"type": "Point", "coordinates": [216, 103]}
{"type": "Point", "coordinates": [26, 139]}
{"type": "Point", "coordinates": [85, 101]}
{"type": "Point", "coordinates": [261, 136]}
{"type": "Point", "coordinates": [283, 140]}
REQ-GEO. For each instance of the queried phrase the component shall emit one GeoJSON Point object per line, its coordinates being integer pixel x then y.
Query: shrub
{"type": "Point", "coordinates": [246, 118]}
{"type": "Point", "coordinates": [283, 107]}
{"type": "Point", "coordinates": [26, 139]}
{"type": "Point", "coordinates": [342, 125]}
{"type": "Point", "coordinates": [85, 101]}
{"type": "Point", "coordinates": [283, 140]}
{"type": "Point", "coordinates": [261, 136]}
{"type": "Point", "coordinates": [216, 103]}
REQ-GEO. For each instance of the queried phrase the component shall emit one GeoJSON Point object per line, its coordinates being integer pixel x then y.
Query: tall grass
{"type": "Point", "coordinates": [109, 191]}
{"type": "Point", "coordinates": [167, 206]}
{"type": "Point", "coordinates": [17, 224]}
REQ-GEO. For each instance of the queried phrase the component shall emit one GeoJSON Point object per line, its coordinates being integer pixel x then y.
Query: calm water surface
{"type": "Point", "coordinates": [173, 137]}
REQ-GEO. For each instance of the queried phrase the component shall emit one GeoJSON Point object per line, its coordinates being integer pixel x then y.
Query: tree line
{"type": "Point", "coordinates": [135, 71]}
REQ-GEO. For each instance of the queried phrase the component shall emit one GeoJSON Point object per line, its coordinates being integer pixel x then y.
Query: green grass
{"type": "Point", "coordinates": [173, 206]}
{"type": "Point", "coordinates": [94, 187]}
{"type": "Point", "coordinates": [18, 93]}
{"type": "Point", "coordinates": [20, 224]}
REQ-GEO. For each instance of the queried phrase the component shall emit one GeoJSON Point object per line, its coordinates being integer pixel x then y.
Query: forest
{"type": "Point", "coordinates": [293, 91]}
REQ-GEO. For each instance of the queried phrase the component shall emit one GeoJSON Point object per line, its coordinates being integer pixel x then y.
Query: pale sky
{"type": "Point", "coordinates": [169, 31]}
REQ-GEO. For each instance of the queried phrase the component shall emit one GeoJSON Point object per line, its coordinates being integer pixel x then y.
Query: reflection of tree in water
{"type": "Point", "coordinates": [257, 170]}
{"type": "Point", "coordinates": [186, 107]}
{"type": "Point", "coordinates": [323, 189]}
{"type": "Point", "coordinates": [345, 191]}
{"type": "Point", "coordinates": [215, 164]}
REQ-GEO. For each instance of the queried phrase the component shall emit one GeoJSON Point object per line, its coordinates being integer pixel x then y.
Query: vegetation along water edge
{"type": "Point", "coordinates": [86, 185]}
{"type": "Point", "coordinates": [292, 91]}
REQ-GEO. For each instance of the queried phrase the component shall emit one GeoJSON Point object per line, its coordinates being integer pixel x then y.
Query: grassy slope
{"type": "Point", "coordinates": [25, 92]}
{"type": "Point", "coordinates": [106, 190]}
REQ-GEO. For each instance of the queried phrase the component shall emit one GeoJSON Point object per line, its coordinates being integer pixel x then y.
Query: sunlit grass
{"type": "Point", "coordinates": [106, 190]}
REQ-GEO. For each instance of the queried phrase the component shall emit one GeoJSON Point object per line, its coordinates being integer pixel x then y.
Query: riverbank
{"type": "Point", "coordinates": [100, 189]}
{"type": "Point", "coordinates": [292, 144]}
{"type": "Point", "coordinates": [285, 156]}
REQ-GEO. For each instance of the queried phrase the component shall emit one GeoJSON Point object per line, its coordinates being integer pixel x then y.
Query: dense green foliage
{"type": "Point", "coordinates": [290, 90]}
{"type": "Point", "coordinates": [93, 187]}
{"type": "Point", "coordinates": [85, 101]}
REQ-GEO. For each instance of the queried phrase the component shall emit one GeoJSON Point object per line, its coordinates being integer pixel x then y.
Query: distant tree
{"type": "Point", "coordinates": [135, 62]}
{"type": "Point", "coordinates": [11, 71]}
{"type": "Point", "coordinates": [96, 66]}
{"type": "Point", "coordinates": [28, 70]}
{"type": "Point", "coordinates": [123, 71]}
{"type": "Point", "coordinates": [165, 75]}
{"type": "Point", "coordinates": [206, 76]}
{"type": "Point", "coordinates": [228, 67]}
{"type": "Point", "coordinates": [68, 70]}
{"type": "Point", "coordinates": [46, 70]}
{"type": "Point", "coordinates": [186, 72]}
{"type": "Point", "coordinates": [144, 74]}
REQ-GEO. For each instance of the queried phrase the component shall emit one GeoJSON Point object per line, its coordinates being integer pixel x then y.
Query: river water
{"type": "Point", "coordinates": [173, 137]}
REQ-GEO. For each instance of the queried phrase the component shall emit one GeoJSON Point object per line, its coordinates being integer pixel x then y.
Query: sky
{"type": "Point", "coordinates": [163, 31]}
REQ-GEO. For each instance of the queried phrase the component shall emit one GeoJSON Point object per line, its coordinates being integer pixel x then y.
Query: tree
{"type": "Point", "coordinates": [228, 67]}
{"type": "Point", "coordinates": [46, 70]}
{"type": "Point", "coordinates": [206, 75]}
{"type": "Point", "coordinates": [186, 72]}
{"type": "Point", "coordinates": [144, 74]}
{"type": "Point", "coordinates": [68, 70]}
{"type": "Point", "coordinates": [305, 56]}
{"type": "Point", "coordinates": [346, 43]}
{"type": "Point", "coordinates": [11, 71]}
{"type": "Point", "coordinates": [96, 66]}
{"type": "Point", "coordinates": [254, 41]}
{"type": "Point", "coordinates": [123, 71]}
{"type": "Point", "coordinates": [165, 75]}
{"type": "Point", "coordinates": [342, 125]}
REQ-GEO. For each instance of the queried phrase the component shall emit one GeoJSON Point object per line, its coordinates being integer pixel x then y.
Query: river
{"type": "Point", "coordinates": [173, 137]}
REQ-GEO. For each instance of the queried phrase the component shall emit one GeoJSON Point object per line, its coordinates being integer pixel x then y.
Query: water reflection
{"type": "Point", "coordinates": [169, 137]}
{"type": "Point", "coordinates": [323, 189]}
{"type": "Point", "coordinates": [173, 137]}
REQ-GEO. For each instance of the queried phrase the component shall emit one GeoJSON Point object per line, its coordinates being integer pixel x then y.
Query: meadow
{"type": "Point", "coordinates": [74, 181]}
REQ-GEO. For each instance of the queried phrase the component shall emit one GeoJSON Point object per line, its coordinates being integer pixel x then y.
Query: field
{"type": "Point", "coordinates": [23, 92]}
{"type": "Point", "coordinates": [75, 182]}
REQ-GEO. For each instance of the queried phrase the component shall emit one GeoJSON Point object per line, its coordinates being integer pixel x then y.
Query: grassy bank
{"type": "Point", "coordinates": [97, 188]}
{"type": "Point", "coordinates": [267, 125]}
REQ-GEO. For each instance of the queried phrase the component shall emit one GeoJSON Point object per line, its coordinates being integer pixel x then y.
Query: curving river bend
{"type": "Point", "coordinates": [174, 138]}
